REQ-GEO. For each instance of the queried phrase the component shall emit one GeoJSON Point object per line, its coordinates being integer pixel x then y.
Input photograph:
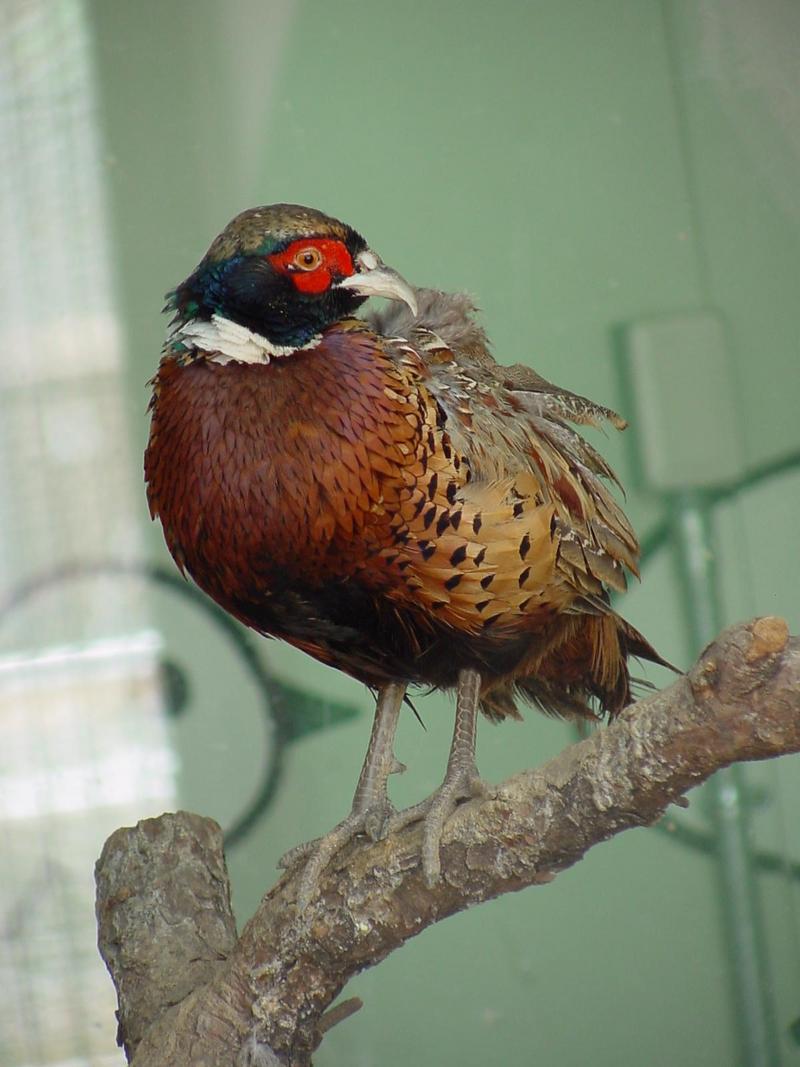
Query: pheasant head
{"type": "Point", "coordinates": [272, 282]}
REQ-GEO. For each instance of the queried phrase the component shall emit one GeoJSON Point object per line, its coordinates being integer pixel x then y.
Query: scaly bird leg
{"type": "Point", "coordinates": [371, 806]}
{"type": "Point", "coordinates": [461, 780]}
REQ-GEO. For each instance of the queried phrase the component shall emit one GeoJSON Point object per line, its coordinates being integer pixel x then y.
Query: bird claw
{"type": "Point", "coordinates": [371, 808]}
{"type": "Point", "coordinates": [465, 784]}
{"type": "Point", "coordinates": [444, 802]}
{"type": "Point", "coordinates": [376, 820]}
{"type": "Point", "coordinates": [372, 813]}
{"type": "Point", "coordinates": [371, 821]}
{"type": "Point", "coordinates": [293, 856]}
{"type": "Point", "coordinates": [381, 820]}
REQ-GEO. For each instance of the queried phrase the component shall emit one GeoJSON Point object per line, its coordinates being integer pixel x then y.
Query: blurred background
{"type": "Point", "coordinates": [618, 185]}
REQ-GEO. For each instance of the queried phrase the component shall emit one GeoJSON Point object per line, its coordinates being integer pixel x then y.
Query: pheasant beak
{"type": "Point", "coordinates": [374, 278]}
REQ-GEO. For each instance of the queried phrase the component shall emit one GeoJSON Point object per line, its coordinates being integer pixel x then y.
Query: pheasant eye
{"type": "Point", "coordinates": [307, 259]}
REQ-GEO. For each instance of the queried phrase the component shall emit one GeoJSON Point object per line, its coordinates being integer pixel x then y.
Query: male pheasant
{"type": "Point", "coordinates": [380, 493]}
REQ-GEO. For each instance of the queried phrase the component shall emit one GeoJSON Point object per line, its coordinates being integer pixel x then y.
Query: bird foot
{"type": "Point", "coordinates": [464, 783]}
{"type": "Point", "coordinates": [371, 821]}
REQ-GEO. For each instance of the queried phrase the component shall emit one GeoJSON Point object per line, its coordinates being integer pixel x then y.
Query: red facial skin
{"type": "Point", "coordinates": [335, 262]}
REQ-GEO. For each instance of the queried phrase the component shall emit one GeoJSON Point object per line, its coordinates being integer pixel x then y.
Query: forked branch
{"type": "Point", "coordinates": [192, 994]}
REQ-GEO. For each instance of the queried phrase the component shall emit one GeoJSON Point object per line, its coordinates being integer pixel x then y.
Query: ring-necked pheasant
{"type": "Point", "coordinates": [381, 494]}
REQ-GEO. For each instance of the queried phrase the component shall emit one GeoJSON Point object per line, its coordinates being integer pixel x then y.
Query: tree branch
{"type": "Point", "coordinates": [161, 885]}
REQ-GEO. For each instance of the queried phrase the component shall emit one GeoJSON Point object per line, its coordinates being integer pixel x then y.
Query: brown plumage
{"type": "Point", "coordinates": [384, 495]}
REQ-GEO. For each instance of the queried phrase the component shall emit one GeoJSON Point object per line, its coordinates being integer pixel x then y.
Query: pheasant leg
{"type": "Point", "coordinates": [371, 808]}
{"type": "Point", "coordinates": [461, 780]}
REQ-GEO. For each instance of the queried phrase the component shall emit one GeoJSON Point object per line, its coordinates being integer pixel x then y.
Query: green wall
{"type": "Point", "coordinates": [578, 167]}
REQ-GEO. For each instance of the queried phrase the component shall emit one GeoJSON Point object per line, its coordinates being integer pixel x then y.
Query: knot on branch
{"type": "Point", "coordinates": [740, 660]}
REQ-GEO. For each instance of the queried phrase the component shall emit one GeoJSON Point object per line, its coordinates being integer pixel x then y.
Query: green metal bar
{"type": "Point", "coordinates": [658, 535]}
{"type": "Point", "coordinates": [742, 914]}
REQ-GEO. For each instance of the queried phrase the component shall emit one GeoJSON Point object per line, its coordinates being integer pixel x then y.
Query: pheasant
{"type": "Point", "coordinates": [383, 495]}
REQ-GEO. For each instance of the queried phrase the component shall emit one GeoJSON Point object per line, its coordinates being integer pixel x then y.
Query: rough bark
{"type": "Point", "coordinates": [190, 994]}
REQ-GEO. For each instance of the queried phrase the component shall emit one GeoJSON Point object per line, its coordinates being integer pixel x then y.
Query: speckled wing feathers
{"type": "Point", "coordinates": [521, 435]}
{"type": "Point", "coordinates": [537, 536]}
